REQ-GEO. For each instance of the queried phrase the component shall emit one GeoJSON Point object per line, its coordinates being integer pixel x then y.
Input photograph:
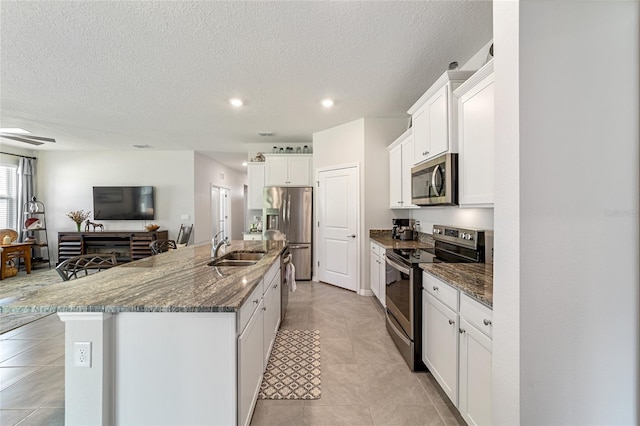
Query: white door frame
{"type": "Point", "coordinates": [227, 205]}
{"type": "Point", "coordinates": [316, 231]}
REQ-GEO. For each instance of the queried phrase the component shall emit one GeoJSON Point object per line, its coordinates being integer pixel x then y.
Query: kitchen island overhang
{"type": "Point", "coordinates": [164, 336]}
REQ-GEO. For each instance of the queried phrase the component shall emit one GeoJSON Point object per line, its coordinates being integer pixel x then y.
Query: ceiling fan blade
{"type": "Point", "coordinates": [39, 138]}
{"type": "Point", "coordinates": [19, 139]}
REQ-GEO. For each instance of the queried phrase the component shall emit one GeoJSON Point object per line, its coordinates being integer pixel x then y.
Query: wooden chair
{"type": "Point", "coordinates": [184, 235]}
{"type": "Point", "coordinates": [93, 262]}
{"type": "Point", "coordinates": [161, 246]}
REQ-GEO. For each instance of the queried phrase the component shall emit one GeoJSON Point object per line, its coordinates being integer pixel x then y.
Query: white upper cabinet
{"type": "Point", "coordinates": [400, 163]}
{"type": "Point", "coordinates": [395, 177]}
{"type": "Point", "coordinates": [255, 177]}
{"type": "Point", "coordinates": [476, 139]}
{"type": "Point", "coordinates": [288, 170]}
{"type": "Point", "coordinates": [434, 118]}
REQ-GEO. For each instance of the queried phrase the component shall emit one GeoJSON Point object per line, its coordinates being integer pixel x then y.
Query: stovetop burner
{"type": "Point", "coordinates": [414, 256]}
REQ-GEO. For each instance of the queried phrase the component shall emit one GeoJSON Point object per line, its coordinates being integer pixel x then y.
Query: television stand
{"type": "Point", "coordinates": [126, 245]}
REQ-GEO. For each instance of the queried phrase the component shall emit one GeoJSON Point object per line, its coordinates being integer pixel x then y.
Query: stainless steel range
{"type": "Point", "coordinates": [404, 294]}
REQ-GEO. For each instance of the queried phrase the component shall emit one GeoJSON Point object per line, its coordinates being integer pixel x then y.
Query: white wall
{"type": "Point", "coordinates": [210, 173]}
{"type": "Point", "coordinates": [507, 241]}
{"type": "Point", "coordinates": [363, 141]}
{"type": "Point", "coordinates": [66, 178]}
{"type": "Point", "coordinates": [578, 228]}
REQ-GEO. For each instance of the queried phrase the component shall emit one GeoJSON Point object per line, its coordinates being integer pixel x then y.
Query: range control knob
{"type": "Point", "coordinates": [463, 235]}
{"type": "Point", "coordinates": [470, 237]}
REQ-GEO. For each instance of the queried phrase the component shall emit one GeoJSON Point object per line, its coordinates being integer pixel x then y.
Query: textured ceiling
{"type": "Point", "coordinates": [109, 74]}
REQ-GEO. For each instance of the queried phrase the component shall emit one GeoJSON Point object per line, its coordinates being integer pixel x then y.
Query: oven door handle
{"type": "Point", "coordinates": [397, 266]}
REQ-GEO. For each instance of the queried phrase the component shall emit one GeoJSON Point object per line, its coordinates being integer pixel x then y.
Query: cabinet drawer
{"type": "Point", "coordinates": [249, 306]}
{"type": "Point", "coordinates": [477, 314]}
{"type": "Point", "coordinates": [375, 249]}
{"type": "Point", "coordinates": [271, 273]}
{"type": "Point", "coordinates": [441, 291]}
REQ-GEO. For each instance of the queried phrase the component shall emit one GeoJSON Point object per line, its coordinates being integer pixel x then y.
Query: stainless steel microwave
{"type": "Point", "coordinates": [435, 182]}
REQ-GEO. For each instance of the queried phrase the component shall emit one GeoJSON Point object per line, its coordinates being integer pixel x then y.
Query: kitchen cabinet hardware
{"type": "Point", "coordinates": [256, 301]}
{"type": "Point", "coordinates": [351, 236]}
{"type": "Point", "coordinates": [451, 322]}
{"type": "Point", "coordinates": [264, 308]}
{"type": "Point", "coordinates": [462, 330]}
{"type": "Point", "coordinates": [435, 288]}
{"type": "Point", "coordinates": [487, 322]}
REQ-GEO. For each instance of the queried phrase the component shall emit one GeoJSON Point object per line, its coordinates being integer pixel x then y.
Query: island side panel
{"type": "Point", "coordinates": [88, 390]}
{"type": "Point", "coordinates": [175, 368]}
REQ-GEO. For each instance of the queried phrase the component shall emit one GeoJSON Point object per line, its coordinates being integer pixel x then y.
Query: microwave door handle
{"type": "Point", "coordinates": [436, 172]}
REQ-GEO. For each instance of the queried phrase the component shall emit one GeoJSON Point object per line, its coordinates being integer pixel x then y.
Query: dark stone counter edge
{"type": "Point", "coordinates": [461, 287]}
{"type": "Point", "coordinates": [115, 309]}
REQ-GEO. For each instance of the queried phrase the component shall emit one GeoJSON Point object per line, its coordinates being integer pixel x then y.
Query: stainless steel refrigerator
{"type": "Point", "coordinates": [287, 214]}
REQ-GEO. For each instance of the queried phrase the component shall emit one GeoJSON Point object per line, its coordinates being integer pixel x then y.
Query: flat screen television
{"type": "Point", "coordinates": [123, 202]}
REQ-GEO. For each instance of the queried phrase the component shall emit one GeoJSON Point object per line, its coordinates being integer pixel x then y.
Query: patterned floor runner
{"type": "Point", "coordinates": [293, 370]}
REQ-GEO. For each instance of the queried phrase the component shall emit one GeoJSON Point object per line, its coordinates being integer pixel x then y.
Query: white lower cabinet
{"type": "Point", "coordinates": [378, 272]}
{"type": "Point", "coordinates": [457, 347]}
{"type": "Point", "coordinates": [256, 339]}
{"type": "Point", "coordinates": [475, 375]}
{"type": "Point", "coordinates": [271, 315]}
{"type": "Point", "coordinates": [250, 364]}
{"type": "Point", "coordinates": [440, 344]}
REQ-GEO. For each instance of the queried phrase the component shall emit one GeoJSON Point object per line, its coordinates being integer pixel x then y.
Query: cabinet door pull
{"type": "Point", "coordinates": [451, 322]}
{"type": "Point", "coordinates": [256, 301]}
{"type": "Point", "coordinates": [275, 286]}
{"type": "Point", "coordinates": [487, 322]}
{"type": "Point", "coordinates": [264, 308]}
{"type": "Point", "coordinates": [462, 330]}
{"type": "Point", "coordinates": [435, 288]}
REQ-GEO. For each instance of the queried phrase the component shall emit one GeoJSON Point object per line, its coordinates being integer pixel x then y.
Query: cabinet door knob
{"type": "Point", "coordinates": [275, 286]}
{"type": "Point", "coordinates": [256, 301]}
{"type": "Point", "coordinates": [451, 322]}
{"type": "Point", "coordinates": [462, 330]}
{"type": "Point", "coordinates": [435, 288]}
{"type": "Point", "coordinates": [264, 308]}
{"type": "Point", "coordinates": [487, 322]}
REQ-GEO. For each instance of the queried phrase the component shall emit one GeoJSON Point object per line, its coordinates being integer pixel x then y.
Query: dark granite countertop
{"type": "Point", "coordinates": [176, 281]}
{"type": "Point", "coordinates": [473, 279]}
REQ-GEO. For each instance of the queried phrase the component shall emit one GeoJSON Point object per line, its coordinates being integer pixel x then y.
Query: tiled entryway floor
{"type": "Point", "coordinates": [365, 381]}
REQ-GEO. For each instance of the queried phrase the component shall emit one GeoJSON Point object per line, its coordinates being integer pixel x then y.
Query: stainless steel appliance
{"type": "Point", "coordinates": [403, 229]}
{"type": "Point", "coordinates": [285, 288]}
{"type": "Point", "coordinates": [404, 295]}
{"type": "Point", "coordinates": [435, 182]}
{"type": "Point", "coordinates": [287, 212]}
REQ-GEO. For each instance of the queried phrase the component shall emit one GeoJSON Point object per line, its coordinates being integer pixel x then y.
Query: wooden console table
{"type": "Point", "coordinates": [126, 245]}
{"type": "Point", "coordinates": [23, 248]}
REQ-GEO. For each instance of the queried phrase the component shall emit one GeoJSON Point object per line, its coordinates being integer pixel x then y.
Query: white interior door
{"type": "Point", "coordinates": [220, 209]}
{"type": "Point", "coordinates": [338, 227]}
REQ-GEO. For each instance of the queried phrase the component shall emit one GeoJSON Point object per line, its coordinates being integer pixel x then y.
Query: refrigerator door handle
{"type": "Point", "coordinates": [299, 247]}
{"type": "Point", "coordinates": [288, 214]}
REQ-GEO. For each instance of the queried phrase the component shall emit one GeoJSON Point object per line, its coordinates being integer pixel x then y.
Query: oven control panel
{"type": "Point", "coordinates": [460, 236]}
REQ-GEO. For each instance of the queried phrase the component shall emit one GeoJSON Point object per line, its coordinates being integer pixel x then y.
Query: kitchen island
{"type": "Point", "coordinates": [166, 339]}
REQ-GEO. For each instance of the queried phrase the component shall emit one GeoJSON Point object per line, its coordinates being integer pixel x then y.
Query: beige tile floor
{"type": "Point", "coordinates": [364, 379]}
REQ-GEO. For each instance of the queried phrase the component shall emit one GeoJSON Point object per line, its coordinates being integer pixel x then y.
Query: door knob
{"type": "Point", "coordinates": [351, 236]}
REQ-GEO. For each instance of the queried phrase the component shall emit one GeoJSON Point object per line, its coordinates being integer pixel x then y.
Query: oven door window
{"type": "Point", "coordinates": [399, 292]}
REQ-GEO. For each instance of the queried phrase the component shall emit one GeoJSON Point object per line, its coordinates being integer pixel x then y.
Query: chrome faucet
{"type": "Point", "coordinates": [215, 237]}
{"type": "Point", "coordinates": [220, 244]}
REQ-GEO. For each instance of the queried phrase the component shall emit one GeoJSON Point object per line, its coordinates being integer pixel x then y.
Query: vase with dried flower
{"type": "Point", "coordinates": [78, 216]}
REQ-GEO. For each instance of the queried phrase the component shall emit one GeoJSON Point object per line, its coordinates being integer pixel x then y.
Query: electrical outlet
{"type": "Point", "coordinates": [82, 354]}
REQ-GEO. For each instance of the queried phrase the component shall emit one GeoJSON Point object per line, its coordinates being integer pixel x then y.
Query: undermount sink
{"type": "Point", "coordinates": [238, 258]}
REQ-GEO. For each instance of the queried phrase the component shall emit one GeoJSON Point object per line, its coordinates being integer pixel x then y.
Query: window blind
{"type": "Point", "coordinates": [8, 197]}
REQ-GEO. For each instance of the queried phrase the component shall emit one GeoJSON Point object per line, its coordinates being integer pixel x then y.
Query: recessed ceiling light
{"type": "Point", "coordinates": [327, 103]}
{"type": "Point", "coordinates": [265, 133]}
{"type": "Point", "coordinates": [236, 102]}
{"type": "Point", "coordinates": [142, 146]}
{"type": "Point", "coordinates": [244, 163]}
{"type": "Point", "coordinates": [14, 130]}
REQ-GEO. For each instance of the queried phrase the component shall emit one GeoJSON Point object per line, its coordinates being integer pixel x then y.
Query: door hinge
{"type": "Point", "coordinates": [318, 183]}
{"type": "Point", "coordinates": [318, 263]}
{"type": "Point", "coordinates": [318, 224]}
